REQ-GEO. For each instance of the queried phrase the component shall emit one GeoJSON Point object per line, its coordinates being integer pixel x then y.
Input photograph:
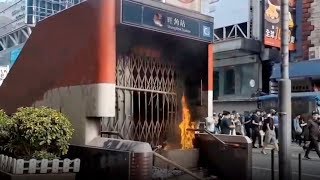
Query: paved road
{"type": "Point", "coordinates": [262, 165]}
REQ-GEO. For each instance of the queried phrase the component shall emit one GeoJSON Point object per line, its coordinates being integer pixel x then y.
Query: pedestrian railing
{"type": "Point", "coordinates": [241, 30]}
{"type": "Point", "coordinates": [34, 166]}
{"type": "Point", "coordinates": [273, 169]}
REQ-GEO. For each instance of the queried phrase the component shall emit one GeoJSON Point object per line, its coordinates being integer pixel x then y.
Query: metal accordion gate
{"type": "Point", "coordinates": [146, 100]}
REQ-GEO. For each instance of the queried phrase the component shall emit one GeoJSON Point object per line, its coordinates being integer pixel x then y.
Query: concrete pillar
{"type": "Point", "coordinates": [107, 42]}
{"type": "Point", "coordinates": [210, 79]}
{"type": "Point", "coordinates": [221, 83]}
{"type": "Point", "coordinates": [101, 102]}
{"type": "Point", "coordinates": [104, 98]}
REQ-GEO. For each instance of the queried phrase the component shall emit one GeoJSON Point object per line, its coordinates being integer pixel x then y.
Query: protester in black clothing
{"type": "Point", "coordinates": [219, 122]}
{"type": "Point", "coordinates": [226, 123]}
{"type": "Point", "coordinates": [247, 123]}
{"type": "Point", "coordinates": [314, 134]}
{"type": "Point", "coordinates": [255, 124]}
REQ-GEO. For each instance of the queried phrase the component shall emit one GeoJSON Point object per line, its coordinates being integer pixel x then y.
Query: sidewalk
{"type": "Point", "coordinates": [261, 164]}
{"type": "Point", "coordinates": [295, 148]}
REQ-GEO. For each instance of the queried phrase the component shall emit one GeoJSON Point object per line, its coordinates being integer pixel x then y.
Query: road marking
{"type": "Point", "coordinates": [303, 174]}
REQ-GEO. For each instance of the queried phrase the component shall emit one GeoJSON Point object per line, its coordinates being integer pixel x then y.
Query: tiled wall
{"type": "Point", "coordinates": [308, 25]}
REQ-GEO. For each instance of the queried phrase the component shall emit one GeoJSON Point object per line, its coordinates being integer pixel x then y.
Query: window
{"type": "Point", "coordinates": [247, 74]}
{"type": "Point", "coordinates": [229, 82]}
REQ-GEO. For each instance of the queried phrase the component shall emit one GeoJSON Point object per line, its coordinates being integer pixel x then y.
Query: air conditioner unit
{"type": "Point", "coordinates": [314, 53]}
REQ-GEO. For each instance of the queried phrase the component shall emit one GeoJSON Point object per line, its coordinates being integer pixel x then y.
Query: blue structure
{"type": "Point", "coordinates": [301, 69]}
{"type": "Point", "coordinates": [295, 96]}
{"type": "Point", "coordinates": [14, 56]}
{"type": "Point", "coordinates": [305, 76]}
{"type": "Point", "coordinates": [302, 103]}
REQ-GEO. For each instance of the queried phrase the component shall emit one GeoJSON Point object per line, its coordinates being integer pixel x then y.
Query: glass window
{"type": "Point", "coordinates": [248, 83]}
{"type": "Point", "coordinates": [229, 82]}
{"type": "Point", "coordinates": [42, 4]}
{"type": "Point", "coordinates": [49, 4]}
{"type": "Point", "coordinates": [56, 7]}
{"type": "Point", "coordinates": [29, 3]}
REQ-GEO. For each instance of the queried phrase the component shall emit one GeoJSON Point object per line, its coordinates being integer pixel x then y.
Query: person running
{"type": "Point", "coordinates": [314, 133]}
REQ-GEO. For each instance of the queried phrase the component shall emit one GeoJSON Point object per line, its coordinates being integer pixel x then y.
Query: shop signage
{"type": "Point", "coordinates": [147, 17]}
{"type": "Point", "coordinates": [272, 33]}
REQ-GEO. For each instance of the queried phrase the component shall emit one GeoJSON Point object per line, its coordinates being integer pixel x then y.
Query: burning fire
{"type": "Point", "coordinates": [186, 136]}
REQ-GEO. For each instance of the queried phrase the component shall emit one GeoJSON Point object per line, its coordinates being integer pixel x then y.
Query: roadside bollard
{"type": "Point", "coordinates": [299, 166]}
{"type": "Point", "coordinates": [272, 164]}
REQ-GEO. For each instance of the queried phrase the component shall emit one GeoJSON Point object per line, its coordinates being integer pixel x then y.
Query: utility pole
{"type": "Point", "coordinates": [285, 99]}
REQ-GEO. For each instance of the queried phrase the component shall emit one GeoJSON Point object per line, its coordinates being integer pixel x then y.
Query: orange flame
{"type": "Point", "coordinates": [186, 136]}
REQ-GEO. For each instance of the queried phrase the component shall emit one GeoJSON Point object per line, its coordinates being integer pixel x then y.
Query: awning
{"type": "Point", "coordinates": [300, 95]}
{"type": "Point", "coordinates": [301, 69]}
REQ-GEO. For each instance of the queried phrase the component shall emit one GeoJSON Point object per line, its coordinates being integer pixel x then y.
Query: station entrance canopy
{"type": "Point", "coordinates": [160, 48]}
{"type": "Point", "coordinates": [158, 17]}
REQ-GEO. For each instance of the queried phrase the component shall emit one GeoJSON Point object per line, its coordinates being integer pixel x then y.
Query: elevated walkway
{"type": "Point", "coordinates": [235, 41]}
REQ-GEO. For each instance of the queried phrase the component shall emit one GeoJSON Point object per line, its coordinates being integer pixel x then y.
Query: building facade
{"type": "Point", "coordinates": [304, 65]}
{"type": "Point", "coordinates": [246, 52]}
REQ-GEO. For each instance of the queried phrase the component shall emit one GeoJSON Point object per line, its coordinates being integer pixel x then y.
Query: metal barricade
{"type": "Point", "coordinates": [228, 157]}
